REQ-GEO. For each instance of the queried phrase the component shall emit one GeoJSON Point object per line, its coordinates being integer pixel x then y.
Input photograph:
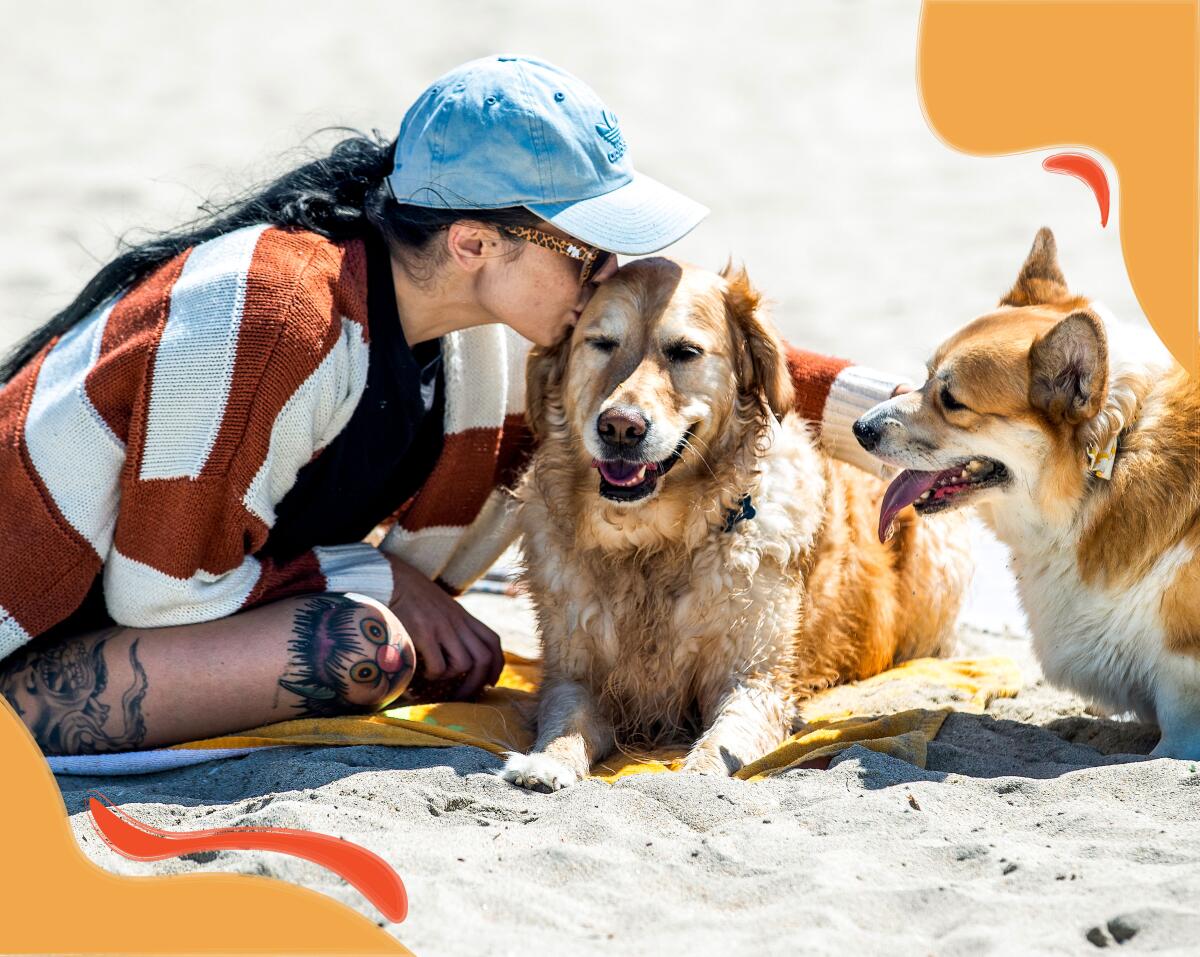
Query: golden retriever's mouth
{"type": "Point", "coordinates": [930, 492]}
{"type": "Point", "coordinates": [624, 481]}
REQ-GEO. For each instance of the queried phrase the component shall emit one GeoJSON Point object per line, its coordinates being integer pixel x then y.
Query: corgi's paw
{"type": "Point", "coordinates": [1182, 748]}
{"type": "Point", "coordinates": [538, 772]}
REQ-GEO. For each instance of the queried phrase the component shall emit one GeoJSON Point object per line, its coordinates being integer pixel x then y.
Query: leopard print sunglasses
{"type": "Point", "coordinates": [594, 258]}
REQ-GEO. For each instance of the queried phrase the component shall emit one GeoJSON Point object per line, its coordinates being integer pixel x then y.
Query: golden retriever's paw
{"type": "Point", "coordinates": [703, 761]}
{"type": "Point", "coordinates": [538, 772]}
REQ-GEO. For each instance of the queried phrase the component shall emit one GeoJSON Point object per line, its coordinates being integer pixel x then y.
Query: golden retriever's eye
{"type": "Point", "coordinates": [602, 344]}
{"type": "Point", "coordinates": [683, 352]}
{"type": "Point", "coordinates": [949, 403]}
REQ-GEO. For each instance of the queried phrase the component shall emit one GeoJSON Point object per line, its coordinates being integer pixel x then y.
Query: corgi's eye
{"type": "Point", "coordinates": [949, 403]}
{"type": "Point", "coordinates": [683, 352]}
{"type": "Point", "coordinates": [603, 344]}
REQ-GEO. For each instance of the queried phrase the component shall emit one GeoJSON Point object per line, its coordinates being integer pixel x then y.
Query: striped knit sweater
{"type": "Point", "coordinates": [152, 442]}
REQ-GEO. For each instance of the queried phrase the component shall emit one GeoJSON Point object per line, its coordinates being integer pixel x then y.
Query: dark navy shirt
{"type": "Point", "coordinates": [389, 446]}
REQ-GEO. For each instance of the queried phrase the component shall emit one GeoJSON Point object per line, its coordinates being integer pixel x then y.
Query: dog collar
{"type": "Point", "coordinates": [744, 511]}
{"type": "Point", "coordinates": [1100, 461]}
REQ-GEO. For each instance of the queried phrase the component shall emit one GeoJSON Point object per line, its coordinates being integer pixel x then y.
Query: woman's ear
{"type": "Point", "coordinates": [467, 244]}
{"type": "Point", "coordinates": [763, 367]}
{"type": "Point", "coordinates": [543, 377]}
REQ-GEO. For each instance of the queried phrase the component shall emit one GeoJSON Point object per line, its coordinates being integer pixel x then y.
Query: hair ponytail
{"type": "Point", "coordinates": [341, 196]}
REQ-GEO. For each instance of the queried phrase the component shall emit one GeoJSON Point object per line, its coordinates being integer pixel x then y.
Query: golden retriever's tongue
{"type": "Point", "coordinates": [905, 489]}
{"type": "Point", "coordinates": [622, 473]}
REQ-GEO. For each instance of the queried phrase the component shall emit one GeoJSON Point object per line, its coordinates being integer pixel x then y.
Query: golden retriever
{"type": "Point", "coordinates": [697, 566]}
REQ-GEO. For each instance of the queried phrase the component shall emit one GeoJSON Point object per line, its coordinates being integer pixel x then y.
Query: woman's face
{"type": "Point", "coordinates": [535, 290]}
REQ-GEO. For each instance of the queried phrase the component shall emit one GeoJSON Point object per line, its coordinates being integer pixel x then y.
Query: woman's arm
{"type": "Point", "coordinates": [832, 393]}
{"type": "Point", "coordinates": [260, 363]}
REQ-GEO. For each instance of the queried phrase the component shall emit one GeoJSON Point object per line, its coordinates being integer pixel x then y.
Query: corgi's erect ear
{"type": "Point", "coordinates": [763, 367]}
{"type": "Point", "coordinates": [1040, 280]}
{"type": "Point", "coordinates": [1068, 369]}
{"type": "Point", "coordinates": [543, 377]}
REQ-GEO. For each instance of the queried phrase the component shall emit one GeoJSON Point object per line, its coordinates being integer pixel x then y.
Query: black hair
{"type": "Point", "coordinates": [341, 196]}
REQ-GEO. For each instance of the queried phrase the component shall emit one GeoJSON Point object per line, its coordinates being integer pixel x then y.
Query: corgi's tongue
{"type": "Point", "coordinates": [905, 489]}
{"type": "Point", "coordinates": [622, 473]}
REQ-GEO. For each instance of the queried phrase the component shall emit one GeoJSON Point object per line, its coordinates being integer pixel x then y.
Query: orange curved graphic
{"type": "Point", "coordinates": [1083, 167]}
{"type": "Point", "coordinates": [173, 914]}
{"type": "Point", "coordinates": [366, 871]}
{"type": "Point", "coordinates": [997, 77]}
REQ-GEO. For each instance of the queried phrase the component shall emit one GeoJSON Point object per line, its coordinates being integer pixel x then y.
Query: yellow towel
{"type": "Point", "coordinates": [503, 718]}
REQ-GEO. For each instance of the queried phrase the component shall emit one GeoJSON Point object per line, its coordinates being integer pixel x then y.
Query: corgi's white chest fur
{"type": "Point", "coordinates": [1108, 645]}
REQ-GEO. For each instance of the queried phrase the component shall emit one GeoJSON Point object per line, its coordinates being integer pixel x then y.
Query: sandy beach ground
{"type": "Point", "coordinates": [1036, 828]}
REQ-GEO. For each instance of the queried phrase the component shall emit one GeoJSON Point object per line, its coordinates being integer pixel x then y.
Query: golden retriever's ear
{"type": "Point", "coordinates": [763, 366]}
{"type": "Point", "coordinates": [1068, 369]}
{"type": "Point", "coordinates": [543, 375]}
{"type": "Point", "coordinates": [1040, 280]}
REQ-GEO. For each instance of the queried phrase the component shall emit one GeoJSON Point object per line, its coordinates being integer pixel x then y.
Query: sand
{"type": "Point", "coordinates": [1035, 828]}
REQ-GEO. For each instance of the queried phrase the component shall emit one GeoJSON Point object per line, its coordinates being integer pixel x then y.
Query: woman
{"type": "Point", "coordinates": [199, 445]}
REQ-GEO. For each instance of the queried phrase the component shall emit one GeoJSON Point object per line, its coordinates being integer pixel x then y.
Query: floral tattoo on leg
{"type": "Point", "coordinates": [57, 693]}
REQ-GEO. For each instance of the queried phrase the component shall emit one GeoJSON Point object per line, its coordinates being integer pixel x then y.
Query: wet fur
{"type": "Point", "coordinates": [1108, 571]}
{"type": "Point", "coordinates": [657, 625]}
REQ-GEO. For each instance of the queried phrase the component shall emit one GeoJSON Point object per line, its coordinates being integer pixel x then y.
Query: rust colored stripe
{"type": "Point", "coordinates": [516, 448]}
{"type": "Point", "coordinates": [178, 526]}
{"type": "Point", "coordinates": [364, 870]}
{"type": "Point", "coordinates": [300, 576]}
{"type": "Point", "coordinates": [47, 567]}
{"type": "Point", "coordinates": [118, 385]}
{"type": "Point", "coordinates": [459, 483]}
{"type": "Point", "coordinates": [812, 375]}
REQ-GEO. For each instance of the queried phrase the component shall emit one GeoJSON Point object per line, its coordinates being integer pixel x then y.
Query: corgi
{"type": "Point", "coordinates": [1082, 453]}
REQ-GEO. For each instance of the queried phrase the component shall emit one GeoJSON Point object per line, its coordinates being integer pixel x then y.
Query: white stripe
{"type": "Point", "coordinates": [453, 553]}
{"type": "Point", "coordinates": [310, 419]}
{"type": "Point", "coordinates": [72, 448]}
{"type": "Point", "coordinates": [517, 348]}
{"type": "Point", "coordinates": [427, 550]}
{"type": "Point", "coordinates": [854, 391]}
{"type": "Point", "coordinates": [193, 365]}
{"type": "Point", "coordinates": [12, 635]}
{"type": "Point", "coordinates": [483, 541]}
{"type": "Point", "coordinates": [356, 567]}
{"type": "Point", "coordinates": [143, 597]}
{"type": "Point", "coordinates": [476, 375]}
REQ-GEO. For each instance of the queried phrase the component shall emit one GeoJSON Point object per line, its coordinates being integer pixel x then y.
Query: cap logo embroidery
{"type": "Point", "coordinates": [610, 132]}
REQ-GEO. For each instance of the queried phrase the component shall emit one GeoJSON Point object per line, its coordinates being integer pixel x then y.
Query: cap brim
{"type": "Point", "coordinates": [643, 216]}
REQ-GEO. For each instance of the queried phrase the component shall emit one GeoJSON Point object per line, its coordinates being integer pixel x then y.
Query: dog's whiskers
{"type": "Point", "coordinates": [688, 444]}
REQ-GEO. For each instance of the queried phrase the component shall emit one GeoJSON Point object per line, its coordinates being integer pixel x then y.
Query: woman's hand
{"type": "Point", "coordinates": [454, 648]}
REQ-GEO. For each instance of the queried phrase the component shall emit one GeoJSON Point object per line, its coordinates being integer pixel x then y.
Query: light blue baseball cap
{"type": "Point", "coordinates": [518, 131]}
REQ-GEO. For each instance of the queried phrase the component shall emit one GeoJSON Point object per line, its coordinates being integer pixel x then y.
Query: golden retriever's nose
{"type": "Point", "coordinates": [622, 428]}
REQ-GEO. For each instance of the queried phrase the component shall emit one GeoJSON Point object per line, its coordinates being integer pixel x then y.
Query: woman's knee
{"type": "Point", "coordinates": [348, 653]}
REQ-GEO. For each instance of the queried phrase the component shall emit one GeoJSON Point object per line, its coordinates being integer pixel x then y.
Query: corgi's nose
{"type": "Point", "coordinates": [622, 427]}
{"type": "Point", "coordinates": [867, 435]}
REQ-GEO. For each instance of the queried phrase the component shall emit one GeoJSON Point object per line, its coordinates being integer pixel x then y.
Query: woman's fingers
{"type": "Point", "coordinates": [430, 659]}
{"type": "Point", "coordinates": [450, 642]}
{"type": "Point", "coordinates": [491, 642]}
{"type": "Point", "coordinates": [480, 667]}
{"type": "Point", "coordinates": [459, 659]}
